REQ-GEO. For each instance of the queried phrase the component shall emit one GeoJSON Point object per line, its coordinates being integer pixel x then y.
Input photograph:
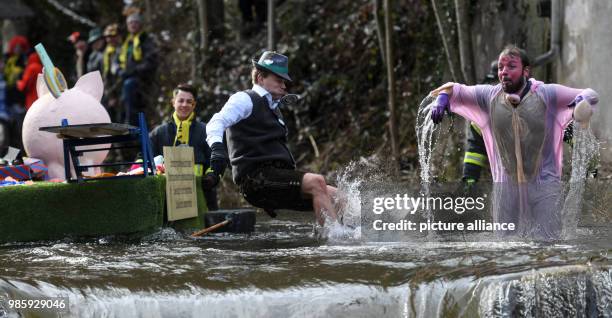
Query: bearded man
{"type": "Point", "coordinates": [522, 122]}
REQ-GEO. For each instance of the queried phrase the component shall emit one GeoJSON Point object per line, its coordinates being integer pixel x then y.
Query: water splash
{"type": "Point", "coordinates": [585, 150]}
{"type": "Point", "coordinates": [351, 181]}
{"type": "Point", "coordinates": [426, 140]}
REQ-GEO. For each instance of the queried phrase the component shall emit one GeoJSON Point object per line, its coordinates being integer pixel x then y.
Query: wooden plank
{"type": "Point", "coordinates": [180, 183]}
{"type": "Point", "coordinates": [89, 130]}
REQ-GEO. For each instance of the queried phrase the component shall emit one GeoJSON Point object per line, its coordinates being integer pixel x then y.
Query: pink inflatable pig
{"type": "Point", "coordinates": [80, 105]}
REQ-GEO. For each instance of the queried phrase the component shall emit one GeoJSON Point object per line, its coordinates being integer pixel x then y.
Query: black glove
{"type": "Point", "coordinates": [209, 181]}
{"type": "Point", "coordinates": [218, 158]}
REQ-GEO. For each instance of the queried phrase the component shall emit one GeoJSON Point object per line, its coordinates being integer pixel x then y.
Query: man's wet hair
{"type": "Point", "coordinates": [185, 88]}
{"type": "Point", "coordinates": [514, 50]}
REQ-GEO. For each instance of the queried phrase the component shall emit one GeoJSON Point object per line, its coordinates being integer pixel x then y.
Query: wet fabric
{"type": "Point", "coordinates": [534, 208]}
{"type": "Point", "coordinates": [544, 107]}
{"type": "Point", "coordinates": [521, 158]}
{"type": "Point", "coordinates": [524, 145]}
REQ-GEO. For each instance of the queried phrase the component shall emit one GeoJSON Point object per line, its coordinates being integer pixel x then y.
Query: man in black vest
{"type": "Point", "coordinates": [262, 165]}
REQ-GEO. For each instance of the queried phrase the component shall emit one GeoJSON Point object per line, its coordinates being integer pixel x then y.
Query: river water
{"type": "Point", "coordinates": [289, 268]}
{"type": "Point", "coordinates": [285, 270]}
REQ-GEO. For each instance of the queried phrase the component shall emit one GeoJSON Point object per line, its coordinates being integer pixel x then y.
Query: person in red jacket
{"type": "Point", "coordinates": [27, 84]}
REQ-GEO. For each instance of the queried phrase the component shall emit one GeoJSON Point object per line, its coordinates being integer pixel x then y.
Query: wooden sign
{"type": "Point", "coordinates": [180, 183]}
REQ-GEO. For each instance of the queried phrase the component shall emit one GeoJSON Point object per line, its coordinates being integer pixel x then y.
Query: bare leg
{"type": "Point", "coordinates": [315, 185]}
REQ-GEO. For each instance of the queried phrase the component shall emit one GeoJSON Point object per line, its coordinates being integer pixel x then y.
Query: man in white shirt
{"type": "Point", "coordinates": [262, 165]}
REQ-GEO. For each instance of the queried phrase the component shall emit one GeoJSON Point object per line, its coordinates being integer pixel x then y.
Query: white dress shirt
{"type": "Point", "coordinates": [238, 107]}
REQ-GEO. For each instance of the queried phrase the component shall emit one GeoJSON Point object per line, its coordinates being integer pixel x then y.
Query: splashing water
{"type": "Point", "coordinates": [426, 140]}
{"type": "Point", "coordinates": [352, 182]}
{"type": "Point", "coordinates": [348, 204]}
{"type": "Point", "coordinates": [585, 150]}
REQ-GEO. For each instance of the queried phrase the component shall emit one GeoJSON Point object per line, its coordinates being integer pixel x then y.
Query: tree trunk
{"type": "Point", "coordinates": [271, 41]}
{"type": "Point", "coordinates": [148, 10]}
{"type": "Point", "coordinates": [466, 59]}
{"type": "Point", "coordinates": [203, 19]}
{"type": "Point", "coordinates": [451, 65]}
{"type": "Point", "coordinates": [200, 52]}
{"type": "Point", "coordinates": [380, 32]}
{"type": "Point", "coordinates": [393, 130]}
{"type": "Point", "coordinates": [215, 10]}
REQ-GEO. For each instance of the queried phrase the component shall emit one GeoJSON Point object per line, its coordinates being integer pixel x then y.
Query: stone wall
{"type": "Point", "coordinates": [586, 48]}
{"type": "Point", "coordinates": [498, 23]}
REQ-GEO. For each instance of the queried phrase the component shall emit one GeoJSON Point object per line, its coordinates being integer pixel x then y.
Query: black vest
{"type": "Point", "coordinates": [257, 139]}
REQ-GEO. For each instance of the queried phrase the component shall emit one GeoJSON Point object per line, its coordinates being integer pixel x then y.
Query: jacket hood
{"type": "Point", "coordinates": [21, 41]}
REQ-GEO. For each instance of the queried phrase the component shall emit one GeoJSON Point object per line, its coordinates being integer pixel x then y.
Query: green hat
{"type": "Point", "coordinates": [275, 63]}
{"type": "Point", "coordinates": [94, 35]}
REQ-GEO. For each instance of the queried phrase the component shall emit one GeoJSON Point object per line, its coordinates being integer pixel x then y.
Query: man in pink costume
{"type": "Point", "coordinates": [522, 122]}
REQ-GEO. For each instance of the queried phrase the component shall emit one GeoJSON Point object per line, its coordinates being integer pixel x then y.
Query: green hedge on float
{"type": "Point", "coordinates": [51, 211]}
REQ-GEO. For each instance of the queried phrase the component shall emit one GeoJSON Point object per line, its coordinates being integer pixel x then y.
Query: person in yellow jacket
{"type": "Point", "coordinates": [138, 63]}
{"type": "Point", "coordinates": [110, 71]}
{"type": "Point", "coordinates": [184, 128]}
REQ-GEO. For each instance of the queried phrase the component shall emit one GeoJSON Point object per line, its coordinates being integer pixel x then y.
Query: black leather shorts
{"type": "Point", "coordinates": [272, 187]}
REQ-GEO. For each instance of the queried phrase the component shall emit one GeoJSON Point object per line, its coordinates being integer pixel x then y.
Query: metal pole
{"type": "Point", "coordinates": [271, 43]}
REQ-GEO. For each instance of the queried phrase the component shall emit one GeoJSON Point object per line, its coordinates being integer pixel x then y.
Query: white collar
{"type": "Point", "coordinates": [261, 91]}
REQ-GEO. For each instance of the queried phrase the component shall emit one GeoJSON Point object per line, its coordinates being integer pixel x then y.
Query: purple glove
{"type": "Point", "coordinates": [576, 100]}
{"type": "Point", "coordinates": [439, 107]}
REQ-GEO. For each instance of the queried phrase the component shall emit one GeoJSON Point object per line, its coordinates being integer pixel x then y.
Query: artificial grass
{"type": "Point", "coordinates": [47, 211]}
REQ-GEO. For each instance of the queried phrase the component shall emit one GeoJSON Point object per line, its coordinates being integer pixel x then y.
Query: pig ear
{"type": "Point", "coordinates": [91, 83]}
{"type": "Point", "coordinates": [41, 87]}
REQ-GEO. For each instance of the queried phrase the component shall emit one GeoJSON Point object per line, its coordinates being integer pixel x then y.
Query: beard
{"type": "Point", "coordinates": [512, 87]}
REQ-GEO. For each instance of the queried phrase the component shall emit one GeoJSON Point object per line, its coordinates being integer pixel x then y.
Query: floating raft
{"type": "Point", "coordinates": [126, 207]}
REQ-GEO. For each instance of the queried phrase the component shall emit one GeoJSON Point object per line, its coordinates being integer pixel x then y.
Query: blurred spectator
{"type": "Point", "coordinates": [27, 84]}
{"type": "Point", "coordinates": [19, 46]}
{"type": "Point", "coordinates": [4, 115]}
{"type": "Point", "coordinates": [80, 54]}
{"type": "Point", "coordinates": [110, 71]}
{"type": "Point", "coordinates": [96, 43]}
{"type": "Point", "coordinates": [253, 16]}
{"type": "Point", "coordinates": [138, 61]}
